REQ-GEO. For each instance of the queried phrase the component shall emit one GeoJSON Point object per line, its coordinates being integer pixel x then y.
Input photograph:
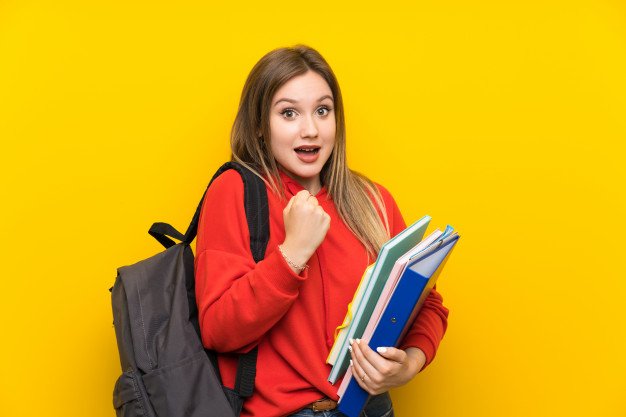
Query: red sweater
{"type": "Point", "coordinates": [291, 318]}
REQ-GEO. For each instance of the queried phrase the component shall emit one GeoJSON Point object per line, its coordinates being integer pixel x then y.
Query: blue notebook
{"type": "Point", "coordinates": [417, 280]}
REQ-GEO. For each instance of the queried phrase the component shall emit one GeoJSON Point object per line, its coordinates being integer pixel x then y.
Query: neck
{"type": "Point", "coordinates": [312, 185]}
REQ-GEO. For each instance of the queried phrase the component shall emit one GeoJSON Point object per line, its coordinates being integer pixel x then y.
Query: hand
{"type": "Point", "coordinates": [389, 368]}
{"type": "Point", "coordinates": [306, 225]}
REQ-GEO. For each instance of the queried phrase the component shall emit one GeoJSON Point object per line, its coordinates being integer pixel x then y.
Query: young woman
{"type": "Point", "coordinates": [327, 224]}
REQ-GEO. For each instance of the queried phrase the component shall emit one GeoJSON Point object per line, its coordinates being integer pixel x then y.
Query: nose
{"type": "Point", "coordinates": [309, 127]}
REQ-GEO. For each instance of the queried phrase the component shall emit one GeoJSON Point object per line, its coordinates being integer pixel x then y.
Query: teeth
{"type": "Point", "coordinates": [307, 150]}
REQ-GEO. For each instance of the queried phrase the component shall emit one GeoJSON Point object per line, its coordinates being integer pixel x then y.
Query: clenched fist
{"type": "Point", "coordinates": [306, 224]}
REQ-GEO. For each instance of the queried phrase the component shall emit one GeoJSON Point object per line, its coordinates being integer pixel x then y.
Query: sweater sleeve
{"type": "Point", "coordinates": [432, 320]}
{"type": "Point", "coordinates": [238, 300]}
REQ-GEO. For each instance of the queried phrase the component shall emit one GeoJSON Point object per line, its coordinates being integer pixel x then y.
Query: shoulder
{"type": "Point", "coordinates": [226, 191]}
{"type": "Point", "coordinates": [385, 194]}
{"type": "Point", "coordinates": [225, 196]}
{"type": "Point", "coordinates": [223, 217]}
{"type": "Point", "coordinates": [228, 182]}
{"type": "Point", "coordinates": [367, 184]}
{"type": "Point", "coordinates": [390, 203]}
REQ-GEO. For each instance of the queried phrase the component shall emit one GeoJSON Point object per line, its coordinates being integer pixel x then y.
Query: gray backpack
{"type": "Point", "coordinates": [166, 372]}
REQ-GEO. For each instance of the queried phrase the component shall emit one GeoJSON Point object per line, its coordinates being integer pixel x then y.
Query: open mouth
{"type": "Point", "coordinates": [307, 150]}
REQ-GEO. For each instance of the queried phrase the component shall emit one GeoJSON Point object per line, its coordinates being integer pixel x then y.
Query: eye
{"type": "Point", "coordinates": [288, 113]}
{"type": "Point", "coordinates": [322, 111]}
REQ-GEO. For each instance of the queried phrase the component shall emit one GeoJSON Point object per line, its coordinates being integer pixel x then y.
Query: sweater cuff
{"type": "Point", "coordinates": [280, 274]}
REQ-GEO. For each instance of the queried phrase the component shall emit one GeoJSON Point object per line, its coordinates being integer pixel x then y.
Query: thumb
{"type": "Point", "coordinates": [289, 204]}
{"type": "Point", "coordinates": [391, 353]}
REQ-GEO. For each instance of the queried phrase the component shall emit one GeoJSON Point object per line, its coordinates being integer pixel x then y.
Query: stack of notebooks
{"type": "Point", "coordinates": [387, 301]}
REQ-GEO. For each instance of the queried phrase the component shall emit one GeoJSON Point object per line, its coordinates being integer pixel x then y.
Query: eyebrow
{"type": "Point", "coordinates": [289, 100]}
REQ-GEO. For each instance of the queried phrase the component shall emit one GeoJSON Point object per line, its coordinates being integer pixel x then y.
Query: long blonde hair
{"type": "Point", "coordinates": [356, 198]}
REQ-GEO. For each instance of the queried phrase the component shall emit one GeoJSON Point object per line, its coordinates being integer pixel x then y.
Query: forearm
{"type": "Point", "coordinates": [416, 359]}
{"type": "Point", "coordinates": [236, 308]}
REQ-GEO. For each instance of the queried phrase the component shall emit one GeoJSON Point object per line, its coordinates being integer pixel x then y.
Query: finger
{"type": "Point", "coordinates": [290, 203]}
{"type": "Point", "coordinates": [321, 213]}
{"type": "Point", "coordinates": [359, 379]}
{"type": "Point", "coordinates": [371, 380]}
{"type": "Point", "coordinates": [326, 220]}
{"type": "Point", "coordinates": [303, 195]}
{"type": "Point", "coordinates": [392, 354]}
{"type": "Point", "coordinates": [303, 198]}
{"type": "Point", "coordinates": [313, 200]}
{"type": "Point", "coordinates": [364, 357]}
{"type": "Point", "coordinates": [358, 374]}
{"type": "Point", "coordinates": [370, 356]}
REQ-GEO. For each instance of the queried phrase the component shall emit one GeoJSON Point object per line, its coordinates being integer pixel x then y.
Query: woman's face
{"type": "Point", "coordinates": [302, 128]}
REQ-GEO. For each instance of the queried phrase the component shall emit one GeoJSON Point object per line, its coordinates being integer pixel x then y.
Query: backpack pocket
{"type": "Point", "coordinates": [189, 388]}
{"type": "Point", "coordinates": [129, 398]}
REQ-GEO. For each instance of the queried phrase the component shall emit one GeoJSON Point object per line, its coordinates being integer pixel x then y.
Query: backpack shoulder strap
{"type": "Point", "coordinates": [255, 202]}
{"type": "Point", "coordinates": [257, 215]}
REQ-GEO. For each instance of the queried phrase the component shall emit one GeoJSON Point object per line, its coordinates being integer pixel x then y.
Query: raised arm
{"type": "Point", "coordinates": [238, 300]}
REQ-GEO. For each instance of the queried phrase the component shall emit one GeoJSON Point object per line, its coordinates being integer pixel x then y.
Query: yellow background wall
{"type": "Point", "coordinates": [504, 119]}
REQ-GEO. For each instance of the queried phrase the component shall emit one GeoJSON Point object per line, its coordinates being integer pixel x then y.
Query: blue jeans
{"type": "Point", "coordinates": [377, 406]}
